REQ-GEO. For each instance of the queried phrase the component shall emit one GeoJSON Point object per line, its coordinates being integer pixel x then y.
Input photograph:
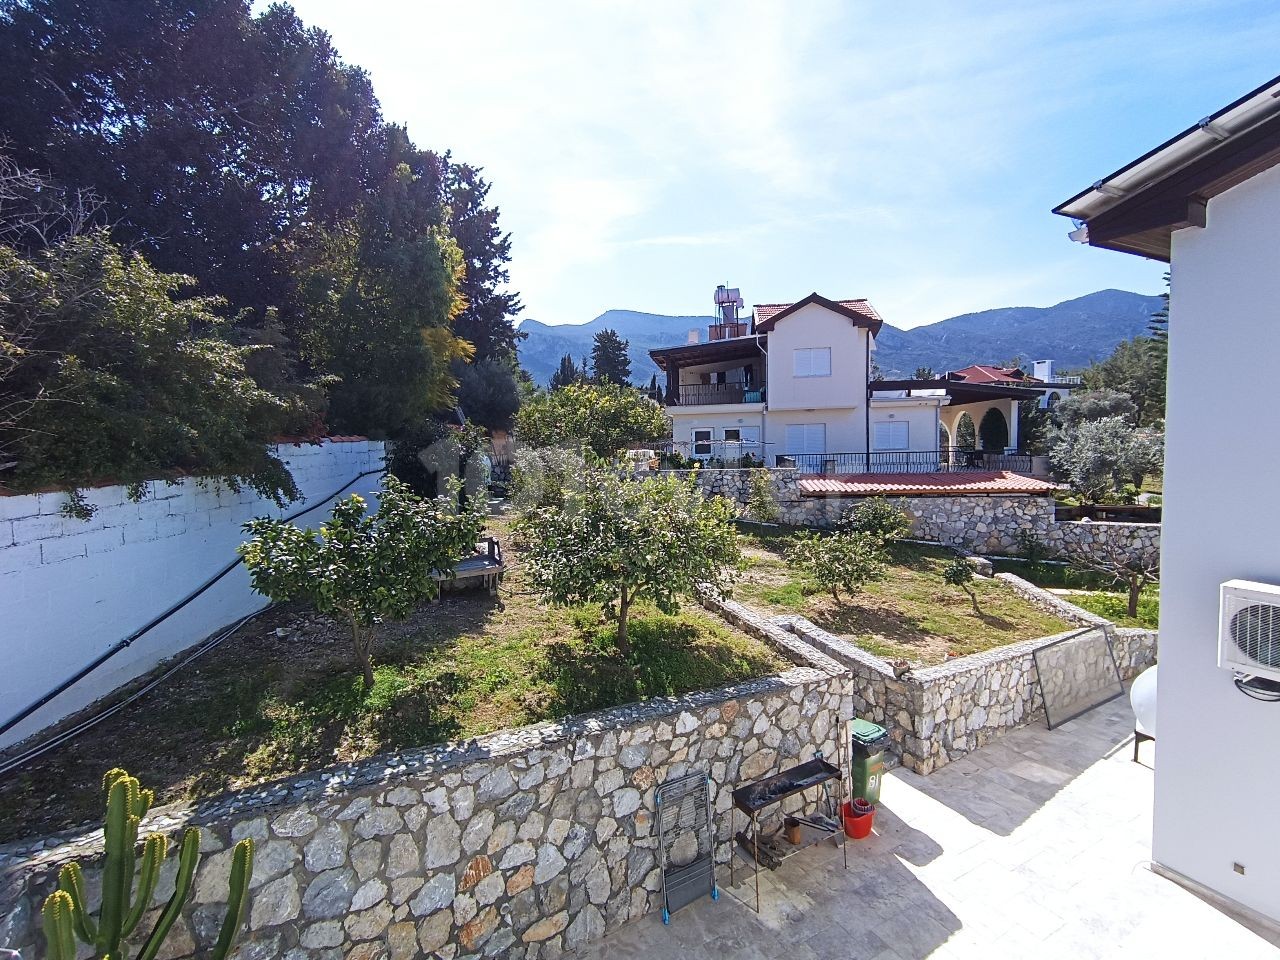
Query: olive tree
{"type": "Point", "coordinates": [838, 560]}
{"type": "Point", "coordinates": [1132, 567]}
{"type": "Point", "coordinates": [360, 566]}
{"type": "Point", "coordinates": [1099, 457]}
{"type": "Point", "coordinates": [616, 541]}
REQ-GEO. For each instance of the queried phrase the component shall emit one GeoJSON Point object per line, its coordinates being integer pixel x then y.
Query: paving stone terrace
{"type": "Point", "coordinates": [521, 844]}
{"type": "Point", "coordinates": [1036, 846]}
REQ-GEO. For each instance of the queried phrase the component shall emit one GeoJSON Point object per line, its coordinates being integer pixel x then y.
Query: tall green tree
{"type": "Point", "coordinates": [1137, 369]}
{"type": "Point", "coordinates": [488, 393]}
{"type": "Point", "coordinates": [609, 360]}
{"type": "Point", "coordinates": [568, 373]}
{"type": "Point", "coordinates": [123, 378]}
{"type": "Point", "coordinates": [487, 318]}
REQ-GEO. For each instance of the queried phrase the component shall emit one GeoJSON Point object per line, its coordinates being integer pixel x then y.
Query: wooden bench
{"type": "Point", "coordinates": [483, 568]}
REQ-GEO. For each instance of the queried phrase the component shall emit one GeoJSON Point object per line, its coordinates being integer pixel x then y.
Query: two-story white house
{"type": "Point", "coordinates": [795, 386]}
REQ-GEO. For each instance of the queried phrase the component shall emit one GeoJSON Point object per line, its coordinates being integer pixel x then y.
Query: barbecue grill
{"type": "Point", "coordinates": [752, 798]}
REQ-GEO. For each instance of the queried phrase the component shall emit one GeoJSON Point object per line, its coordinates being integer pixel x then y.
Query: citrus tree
{"type": "Point", "coordinates": [616, 541]}
{"type": "Point", "coordinates": [846, 560]}
{"type": "Point", "coordinates": [959, 573]}
{"type": "Point", "coordinates": [360, 566]}
{"type": "Point", "coordinates": [604, 418]}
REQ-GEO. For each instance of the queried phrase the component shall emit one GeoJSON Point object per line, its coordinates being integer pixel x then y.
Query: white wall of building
{"type": "Point", "coordinates": [920, 415]}
{"type": "Point", "coordinates": [845, 431]}
{"type": "Point", "coordinates": [814, 326]}
{"type": "Point", "coordinates": [70, 589]}
{"type": "Point", "coordinates": [1217, 780]}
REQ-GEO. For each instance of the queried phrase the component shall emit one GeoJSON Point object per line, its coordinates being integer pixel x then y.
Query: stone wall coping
{"type": "Point", "coordinates": [838, 645]}
{"type": "Point", "coordinates": [1136, 525]}
{"type": "Point", "coordinates": [1060, 605]}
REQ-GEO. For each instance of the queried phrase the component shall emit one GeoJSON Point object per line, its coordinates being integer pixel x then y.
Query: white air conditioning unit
{"type": "Point", "coordinates": [1249, 628]}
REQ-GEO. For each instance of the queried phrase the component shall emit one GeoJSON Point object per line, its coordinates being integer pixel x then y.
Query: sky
{"type": "Point", "coordinates": [643, 152]}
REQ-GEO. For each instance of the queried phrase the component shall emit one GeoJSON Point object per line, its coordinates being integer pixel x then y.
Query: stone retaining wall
{"type": "Point", "coordinates": [978, 524]}
{"type": "Point", "coordinates": [520, 844]}
{"type": "Point", "coordinates": [938, 714]}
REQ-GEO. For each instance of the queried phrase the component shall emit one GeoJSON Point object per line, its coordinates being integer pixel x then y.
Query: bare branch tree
{"type": "Point", "coordinates": [1125, 562]}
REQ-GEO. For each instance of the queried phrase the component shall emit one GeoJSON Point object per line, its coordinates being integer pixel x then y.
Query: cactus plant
{"type": "Point", "coordinates": [66, 914]}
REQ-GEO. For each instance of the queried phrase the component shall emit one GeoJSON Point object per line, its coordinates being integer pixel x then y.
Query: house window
{"type": "Point", "coordinates": [891, 435]}
{"type": "Point", "coordinates": [702, 443]}
{"type": "Point", "coordinates": [806, 438]}
{"type": "Point", "coordinates": [813, 362]}
{"type": "Point", "coordinates": [732, 434]}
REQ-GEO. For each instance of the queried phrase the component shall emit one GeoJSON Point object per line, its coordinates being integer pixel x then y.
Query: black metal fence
{"type": "Point", "coordinates": [947, 460]}
{"type": "Point", "coordinates": [693, 394]}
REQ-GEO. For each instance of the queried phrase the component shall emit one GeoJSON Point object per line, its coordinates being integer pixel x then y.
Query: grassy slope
{"type": "Point", "coordinates": [911, 615]}
{"type": "Point", "coordinates": [1094, 591]}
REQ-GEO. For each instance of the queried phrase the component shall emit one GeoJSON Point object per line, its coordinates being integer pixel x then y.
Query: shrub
{"type": "Point", "coordinates": [878, 517]}
{"type": "Point", "coordinates": [363, 567]}
{"type": "Point", "coordinates": [544, 477]}
{"type": "Point", "coordinates": [959, 573]}
{"type": "Point", "coordinates": [846, 560]}
{"type": "Point", "coordinates": [762, 505]}
{"type": "Point", "coordinates": [1099, 457]}
{"type": "Point", "coordinates": [616, 541]}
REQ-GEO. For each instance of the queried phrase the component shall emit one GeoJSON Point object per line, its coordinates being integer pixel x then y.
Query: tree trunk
{"type": "Point", "coordinates": [973, 598]}
{"type": "Point", "coordinates": [624, 608]}
{"type": "Point", "coordinates": [1135, 590]}
{"type": "Point", "coordinates": [361, 645]}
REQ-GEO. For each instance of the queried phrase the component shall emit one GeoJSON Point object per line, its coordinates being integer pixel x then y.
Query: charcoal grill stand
{"type": "Point", "coordinates": [754, 797]}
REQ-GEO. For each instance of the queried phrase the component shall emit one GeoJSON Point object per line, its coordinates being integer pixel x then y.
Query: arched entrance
{"type": "Point", "coordinates": [993, 432]}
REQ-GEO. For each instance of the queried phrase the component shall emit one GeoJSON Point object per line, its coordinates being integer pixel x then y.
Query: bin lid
{"type": "Point", "coordinates": [864, 731]}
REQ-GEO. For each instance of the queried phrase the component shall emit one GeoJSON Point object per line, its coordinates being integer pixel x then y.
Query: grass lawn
{"type": "Point", "coordinates": [911, 615]}
{"type": "Point", "coordinates": [1094, 591]}
{"type": "Point", "coordinates": [265, 705]}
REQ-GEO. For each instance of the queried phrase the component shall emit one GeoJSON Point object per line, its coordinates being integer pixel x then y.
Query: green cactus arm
{"type": "Point", "coordinates": [117, 868]}
{"type": "Point", "coordinates": [71, 882]}
{"type": "Point", "coordinates": [58, 926]}
{"type": "Point", "coordinates": [153, 854]}
{"type": "Point", "coordinates": [188, 857]}
{"type": "Point", "coordinates": [237, 897]}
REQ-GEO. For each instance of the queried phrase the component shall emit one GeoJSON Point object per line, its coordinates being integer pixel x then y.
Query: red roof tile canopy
{"type": "Point", "coordinates": [982, 373]}
{"type": "Point", "coordinates": [860, 312]}
{"type": "Point", "coordinates": [924, 484]}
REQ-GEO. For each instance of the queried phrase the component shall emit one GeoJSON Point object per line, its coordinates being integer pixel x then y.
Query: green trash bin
{"type": "Point", "coordinates": [868, 741]}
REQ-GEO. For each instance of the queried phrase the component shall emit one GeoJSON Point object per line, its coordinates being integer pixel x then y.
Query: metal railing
{"type": "Point", "coordinates": [693, 394]}
{"type": "Point", "coordinates": [949, 460]}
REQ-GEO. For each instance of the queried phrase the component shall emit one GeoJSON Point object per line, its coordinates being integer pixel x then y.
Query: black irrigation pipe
{"type": "Point", "coordinates": [161, 618]}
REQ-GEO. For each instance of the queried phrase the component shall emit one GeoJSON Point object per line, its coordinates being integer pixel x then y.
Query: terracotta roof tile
{"type": "Point", "coordinates": [984, 373]}
{"type": "Point", "coordinates": [923, 484]}
{"type": "Point", "coordinates": [763, 311]}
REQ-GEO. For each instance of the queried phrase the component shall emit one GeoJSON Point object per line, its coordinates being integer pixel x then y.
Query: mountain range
{"type": "Point", "coordinates": [1073, 333]}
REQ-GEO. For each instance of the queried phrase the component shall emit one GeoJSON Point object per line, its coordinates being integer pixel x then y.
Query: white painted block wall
{"type": "Point", "coordinates": [69, 589]}
{"type": "Point", "coordinates": [1217, 782]}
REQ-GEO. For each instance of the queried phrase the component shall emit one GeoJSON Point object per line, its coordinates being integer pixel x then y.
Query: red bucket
{"type": "Point", "coordinates": [857, 826]}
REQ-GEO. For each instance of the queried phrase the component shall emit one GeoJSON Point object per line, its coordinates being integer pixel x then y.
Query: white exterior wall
{"type": "Point", "coordinates": [846, 432]}
{"type": "Point", "coordinates": [816, 326]}
{"type": "Point", "coordinates": [685, 420]}
{"type": "Point", "coordinates": [70, 589]}
{"type": "Point", "coordinates": [976, 411]}
{"type": "Point", "coordinates": [1217, 782]}
{"type": "Point", "coordinates": [921, 415]}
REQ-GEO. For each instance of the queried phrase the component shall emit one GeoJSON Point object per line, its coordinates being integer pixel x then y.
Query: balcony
{"type": "Point", "coordinates": [711, 394]}
{"type": "Point", "coordinates": [948, 460]}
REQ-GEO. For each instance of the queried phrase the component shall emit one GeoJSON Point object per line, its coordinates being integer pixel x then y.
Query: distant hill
{"type": "Point", "coordinates": [1073, 333]}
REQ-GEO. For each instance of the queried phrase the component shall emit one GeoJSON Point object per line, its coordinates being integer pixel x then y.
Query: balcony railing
{"type": "Point", "coordinates": [950, 460]}
{"type": "Point", "coordinates": [695, 394]}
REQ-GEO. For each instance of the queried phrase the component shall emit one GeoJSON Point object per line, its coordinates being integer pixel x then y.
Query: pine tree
{"type": "Point", "coordinates": [609, 360]}
{"type": "Point", "coordinates": [568, 373]}
{"type": "Point", "coordinates": [1158, 326]}
{"type": "Point", "coordinates": [653, 391]}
